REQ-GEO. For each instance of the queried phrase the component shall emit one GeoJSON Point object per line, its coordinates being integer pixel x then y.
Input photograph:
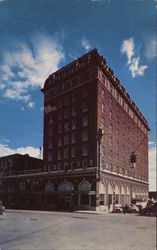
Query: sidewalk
{"type": "Point", "coordinates": [49, 212]}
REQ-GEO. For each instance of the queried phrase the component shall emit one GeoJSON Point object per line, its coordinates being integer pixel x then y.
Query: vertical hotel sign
{"type": "Point", "coordinates": [49, 108]}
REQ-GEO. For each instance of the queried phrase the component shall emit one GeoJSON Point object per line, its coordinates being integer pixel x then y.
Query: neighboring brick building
{"type": "Point", "coordinates": [18, 176]}
{"type": "Point", "coordinates": [79, 99]}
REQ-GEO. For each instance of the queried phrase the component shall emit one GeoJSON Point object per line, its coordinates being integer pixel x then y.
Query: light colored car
{"type": "Point", "coordinates": [2, 208]}
{"type": "Point", "coordinates": [118, 208]}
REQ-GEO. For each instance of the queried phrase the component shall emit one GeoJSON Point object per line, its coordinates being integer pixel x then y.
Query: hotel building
{"type": "Point", "coordinates": [91, 127]}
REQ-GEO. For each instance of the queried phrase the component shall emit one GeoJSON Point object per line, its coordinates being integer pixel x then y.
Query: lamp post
{"type": "Point", "coordinates": [98, 138]}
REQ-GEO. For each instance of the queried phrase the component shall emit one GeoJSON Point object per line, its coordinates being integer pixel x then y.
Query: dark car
{"type": "Point", "coordinates": [2, 208]}
{"type": "Point", "coordinates": [151, 208]}
{"type": "Point", "coordinates": [130, 208]}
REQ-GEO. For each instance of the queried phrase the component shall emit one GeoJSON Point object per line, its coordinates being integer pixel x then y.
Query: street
{"type": "Point", "coordinates": [76, 231]}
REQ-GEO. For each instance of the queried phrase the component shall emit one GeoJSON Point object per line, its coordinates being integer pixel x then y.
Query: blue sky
{"type": "Point", "coordinates": [39, 36]}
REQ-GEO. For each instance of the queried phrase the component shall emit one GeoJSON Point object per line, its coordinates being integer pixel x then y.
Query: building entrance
{"type": "Point", "coordinates": [65, 203]}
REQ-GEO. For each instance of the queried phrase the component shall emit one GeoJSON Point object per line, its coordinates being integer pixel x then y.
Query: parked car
{"type": "Point", "coordinates": [118, 208]}
{"type": "Point", "coordinates": [151, 208]}
{"type": "Point", "coordinates": [130, 208]}
{"type": "Point", "coordinates": [2, 208]}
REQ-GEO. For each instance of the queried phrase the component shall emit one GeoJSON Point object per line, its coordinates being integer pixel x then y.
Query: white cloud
{"type": "Point", "coordinates": [5, 150]}
{"type": "Point", "coordinates": [26, 68]}
{"type": "Point", "coordinates": [31, 105]}
{"type": "Point", "coordinates": [85, 44]}
{"type": "Point", "coordinates": [150, 50]}
{"type": "Point", "coordinates": [128, 48]}
{"type": "Point", "coordinates": [22, 108]}
{"type": "Point", "coordinates": [152, 167]}
{"type": "Point", "coordinates": [135, 68]}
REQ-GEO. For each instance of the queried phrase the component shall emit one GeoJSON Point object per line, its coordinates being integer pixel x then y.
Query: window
{"type": "Point", "coordinates": [85, 93]}
{"type": "Point", "coordinates": [59, 155]}
{"type": "Point", "coordinates": [59, 103]}
{"type": "Point", "coordinates": [110, 128]}
{"type": "Point", "coordinates": [66, 153]}
{"type": "Point", "coordinates": [66, 139]}
{"type": "Point", "coordinates": [73, 165]}
{"type": "Point", "coordinates": [103, 108]}
{"type": "Point", "coordinates": [85, 106]}
{"type": "Point", "coordinates": [103, 94]}
{"type": "Point", "coordinates": [73, 124]}
{"type": "Point", "coordinates": [110, 114]}
{"type": "Point", "coordinates": [117, 119]}
{"type": "Point", "coordinates": [59, 141]}
{"type": "Point", "coordinates": [110, 141]}
{"type": "Point", "coordinates": [85, 120]}
{"type": "Point", "coordinates": [85, 150]}
{"type": "Point", "coordinates": [85, 135]}
{"type": "Point", "coordinates": [91, 163]}
{"type": "Point", "coordinates": [73, 138]}
{"type": "Point", "coordinates": [50, 119]}
{"type": "Point", "coordinates": [66, 113]}
{"type": "Point", "coordinates": [50, 131]}
{"type": "Point", "coordinates": [59, 166]}
{"type": "Point", "coordinates": [66, 165]}
{"type": "Point", "coordinates": [73, 152]}
{"type": "Point", "coordinates": [103, 122]}
{"type": "Point", "coordinates": [73, 98]}
{"type": "Point", "coordinates": [123, 159]}
{"type": "Point", "coordinates": [60, 116]}
{"type": "Point", "coordinates": [49, 156]}
{"type": "Point", "coordinates": [50, 144]}
{"type": "Point", "coordinates": [117, 145]}
{"type": "Point", "coordinates": [66, 126]}
{"type": "Point", "coordinates": [66, 100]}
{"type": "Point", "coordinates": [59, 128]}
{"type": "Point", "coordinates": [54, 167]}
{"type": "Point", "coordinates": [110, 155]}
{"type": "Point", "coordinates": [111, 101]}
{"type": "Point", "coordinates": [117, 133]}
{"type": "Point", "coordinates": [117, 158]}
{"type": "Point", "coordinates": [78, 164]}
{"type": "Point", "coordinates": [85, 163]}
{"type": "Point", "coordinates": [73, 111]}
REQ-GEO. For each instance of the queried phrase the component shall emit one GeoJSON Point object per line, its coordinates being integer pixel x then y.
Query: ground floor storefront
{"type": "Point", "coordinates": [71, 192]}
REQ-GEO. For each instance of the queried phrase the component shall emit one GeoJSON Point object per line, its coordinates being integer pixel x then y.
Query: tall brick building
{"type": "Point", "coordinates": [79, 100]}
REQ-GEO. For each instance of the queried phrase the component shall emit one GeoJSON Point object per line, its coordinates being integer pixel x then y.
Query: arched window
{"type": "Point", "coordinates": [84, 186]}
{"type": "Point", "coordinates": [49, 187]}
{"type": "Point", "coordinates": [65, 186]}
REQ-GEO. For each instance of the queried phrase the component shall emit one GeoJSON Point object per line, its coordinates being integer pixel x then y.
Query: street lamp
{"type": "Point", "coordinates": [98, 139]}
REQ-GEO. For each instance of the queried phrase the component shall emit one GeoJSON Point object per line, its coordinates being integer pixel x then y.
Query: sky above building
{"type": "Point", "coordinates": [37, 37]}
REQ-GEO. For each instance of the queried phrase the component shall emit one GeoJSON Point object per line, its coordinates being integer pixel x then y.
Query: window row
{"type": "Point", "coordinates": [85, 163]}
{"type": "Point", "coordinates": [67, 139]}
{"type": "Point", "coordinates": [121, 101]}
{"type": "Point", "coordinates": [68, 153]}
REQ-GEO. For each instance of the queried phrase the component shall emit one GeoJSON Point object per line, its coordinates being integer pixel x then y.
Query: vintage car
{"type": "Point", "coordinates": [130, 208]}
{"type": "Point", "coordinates": [2, 208]}
{"type": "Point", "coordinates": [151, 208]}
